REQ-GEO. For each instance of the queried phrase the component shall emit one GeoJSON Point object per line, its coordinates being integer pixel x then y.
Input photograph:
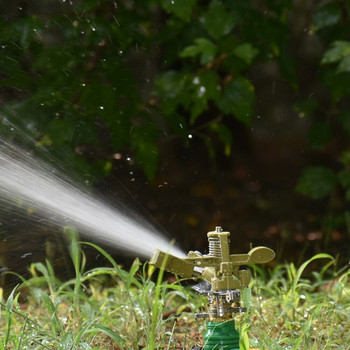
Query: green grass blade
{"type": "Point", "coordinates": [113, 335]}
{"type": "Point", "coordinates": [9, 307]}
{"type": "Point", "coordinates": [304, 265]}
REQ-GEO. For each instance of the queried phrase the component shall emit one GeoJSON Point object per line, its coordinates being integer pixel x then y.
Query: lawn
{"type": "Point", "coordinates": [111, 308]}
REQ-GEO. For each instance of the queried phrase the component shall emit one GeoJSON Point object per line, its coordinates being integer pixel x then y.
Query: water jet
{"type": "Point", "coordinates": [35, 184]}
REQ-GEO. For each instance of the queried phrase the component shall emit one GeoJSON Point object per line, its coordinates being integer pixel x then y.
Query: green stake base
{"type": "Point", "coordinates": [221, 336]}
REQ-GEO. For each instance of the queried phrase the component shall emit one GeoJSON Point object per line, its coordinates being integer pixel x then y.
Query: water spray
{"type": "Point", "coordinates": [224, 277]}
{"type": "Point", "coordinates": [34, 184]}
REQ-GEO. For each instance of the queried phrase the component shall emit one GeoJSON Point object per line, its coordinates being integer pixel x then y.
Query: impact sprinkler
{"type": "Point", "coordinates": [224, 277]}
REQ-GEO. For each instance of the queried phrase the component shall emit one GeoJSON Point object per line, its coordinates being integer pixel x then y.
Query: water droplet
{"type": "Point", "coordinates": [117, 156]}
{"type": "Point", "coordinates": [195, 80]}
{"type": "Point", "coordinates": [189, 136]}
{"type": "Point", "coordinates": [101, 107]}
{"type": "Point", "coordinates": [83, 84]}
{"type": "Point", "coordinates": [93, 29]}
{"type": "Point", "coordinates": [201, 91]}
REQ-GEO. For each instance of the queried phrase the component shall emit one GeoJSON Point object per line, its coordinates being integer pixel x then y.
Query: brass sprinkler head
{"type": "Point", "coordinates": [222, 272]}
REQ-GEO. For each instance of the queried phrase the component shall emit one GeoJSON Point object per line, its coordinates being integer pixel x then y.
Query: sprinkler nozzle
{"type": "Point", "coordinates": [172, 264]}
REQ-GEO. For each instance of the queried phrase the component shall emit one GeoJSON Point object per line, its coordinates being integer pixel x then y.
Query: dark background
{"type": "Point", "coordinates": [239, 158]}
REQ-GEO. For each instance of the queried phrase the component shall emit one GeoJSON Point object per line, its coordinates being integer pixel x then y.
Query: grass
{"type": "Point", "coordinates": [111, 308]}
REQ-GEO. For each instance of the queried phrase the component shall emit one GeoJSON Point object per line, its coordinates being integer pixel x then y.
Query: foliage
{"type": "Point", "coordinates": [95, 81]}
{"type": "Point", "coordinates": [80, 73]}
{"type": "Point", "coordinates": [330, 111]}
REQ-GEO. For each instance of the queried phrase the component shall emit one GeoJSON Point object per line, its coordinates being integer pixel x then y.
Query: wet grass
{"type": "Point", "coordinates": [288, 311]}
{"type": "Point", "coordinates": [111, 308]}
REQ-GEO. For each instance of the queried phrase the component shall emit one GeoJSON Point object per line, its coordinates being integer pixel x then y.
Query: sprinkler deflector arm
{"type": "Point", "coordinates": [215, 267]}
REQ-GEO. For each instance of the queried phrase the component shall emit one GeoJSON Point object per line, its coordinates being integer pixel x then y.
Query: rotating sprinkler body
{"type": "Point", "coordinates": [224, 278]}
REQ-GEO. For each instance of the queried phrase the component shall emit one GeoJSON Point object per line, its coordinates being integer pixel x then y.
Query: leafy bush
{"type": "Point", "coordinates": [97, 78]}
{"type": "Point", "coordinates": [330, 111]}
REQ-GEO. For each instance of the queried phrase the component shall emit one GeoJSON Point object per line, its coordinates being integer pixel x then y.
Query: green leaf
{"type": "Point", "coordinates": [210, 81]}
{"type": "Point", "coordinates": [317, 182]}
{"type": "Point", "coordinates": [319, 134]}
{"type": "Point", "coordinates": [246, 52]}
{"type": "Point", "coordinates": [344, 65]}
{"type": "Point", "coordinates": [205, 87]}
{"type": "Point", "coordinates": [238, 99]}
{"type": "Point", "coordinates": [339, 50]}
{"type": "Point", "coordinates": [218, 20]}
{"type": "Point", "coordinates": [169, 84]}
{"type": "Point", "coordinates": [199, 105]}
{"type": "Point", "coordinates": [327, 15]}
{"type": "Point", "coordinates": [203, 48]}
{"type": "Point", "coordinates": [180, 8]}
